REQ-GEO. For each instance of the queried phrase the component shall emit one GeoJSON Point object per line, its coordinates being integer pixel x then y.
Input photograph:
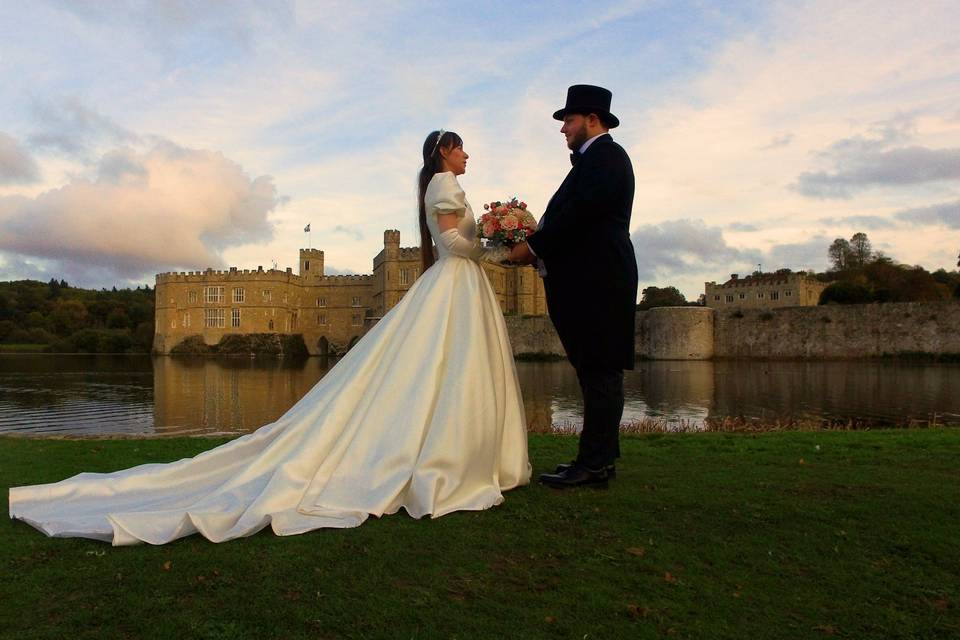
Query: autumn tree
{"type": "Point", "coordinates": [860, 249]}
{"type": "Point", "coordinates": [839, 253]}
{"type": "Point", "coordinates": [661, 297]}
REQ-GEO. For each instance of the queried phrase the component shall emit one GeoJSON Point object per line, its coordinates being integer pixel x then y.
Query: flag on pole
{"type": "Point", "coordinates": [306, 229]}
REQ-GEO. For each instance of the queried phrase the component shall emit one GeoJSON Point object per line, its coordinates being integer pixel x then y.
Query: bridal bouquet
{"type": "Point", "coordinates": [506, 223]}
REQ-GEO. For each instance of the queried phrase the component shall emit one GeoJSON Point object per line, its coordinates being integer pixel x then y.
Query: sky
{"type": "Point", "coordinates": [141, 137]}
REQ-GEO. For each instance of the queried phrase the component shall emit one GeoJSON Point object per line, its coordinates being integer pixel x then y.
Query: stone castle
{"type": "Point", "coordinates": [766, 291]}
{"type": "Point", "coordinates": [330, 312]}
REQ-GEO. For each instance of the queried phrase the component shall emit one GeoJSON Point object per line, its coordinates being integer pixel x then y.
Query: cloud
{"type": "Point", "coordinates": [161, 208]}
{"type": "Point", "coordinates": [810, 254]}
{"type": "Point", "coordinates": [741, 226]}
{"type": "Point", "coordinates": [778, 142]}
{"type": "Point", "coordinates": [677, 247]}
{"type": "Point", "coordinates": [72, 128]}
{"type": "Point", "coordinates": [350, 232]}
{"type": "Point", "coordinates": [858, 221]}
{"type": "Point", "coordinates": [946, 214]}
{"type": "Point", "coordinates": [861, 162]}
{"type": "Point", "coordinates": [16, 164]}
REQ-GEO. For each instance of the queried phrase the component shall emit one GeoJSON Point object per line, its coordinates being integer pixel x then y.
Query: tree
{"type": "Point", "coordinates": [661, 297]}
{"type": "Point", "coordinates": [839, 253]}
{"type": "Point", "coordinates": [68, 316]}
{"type": "Point", "coordinates": [844, 292]}
{"type": "Point", "coordinates": [860, 249]}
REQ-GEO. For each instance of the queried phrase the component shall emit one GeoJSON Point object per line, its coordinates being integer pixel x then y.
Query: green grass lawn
{"type": "Point", "coordinates": [779, 535]}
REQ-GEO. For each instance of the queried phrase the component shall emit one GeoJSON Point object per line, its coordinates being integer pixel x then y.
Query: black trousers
{"type": "Point", "coordinates": [602, 410]}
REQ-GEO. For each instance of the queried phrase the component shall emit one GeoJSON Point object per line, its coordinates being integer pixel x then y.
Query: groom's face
{"type": "Point", "coordinates": [575, 129]}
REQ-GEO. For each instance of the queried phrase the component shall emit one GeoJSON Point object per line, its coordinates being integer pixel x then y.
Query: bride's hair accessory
{"type": "Point", "coordinates": [437, 143]}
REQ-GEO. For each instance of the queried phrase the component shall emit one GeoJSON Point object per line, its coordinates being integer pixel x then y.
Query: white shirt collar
{"type": "Point", "coordinates": [586, 144]}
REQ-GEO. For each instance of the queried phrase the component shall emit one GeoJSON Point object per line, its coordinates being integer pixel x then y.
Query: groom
{"type": "Point", "coordinates": [589, 269]}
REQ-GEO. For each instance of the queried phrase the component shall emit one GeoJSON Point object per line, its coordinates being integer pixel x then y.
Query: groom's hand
{"type": "Point", "coordinates": [521, 254]}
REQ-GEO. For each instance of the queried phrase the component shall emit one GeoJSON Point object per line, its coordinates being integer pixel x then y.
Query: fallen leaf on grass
{"type": "Point", "coordinates": [636, 612]}
{"type": "Point", "coordinates": [802, 461]}
{"type": "Point", "coordinates": [549, 619]}
{"type": "Point", "coordinates": [167, 565]}
{"type": "Point", "coordinates": [669, 577]}
{"type": "Point", "coordinates": [826, 629]}
{"type": "Point", "coordinates": [637, 551]}
{"type": "Point", "coordinates": [942, 604]}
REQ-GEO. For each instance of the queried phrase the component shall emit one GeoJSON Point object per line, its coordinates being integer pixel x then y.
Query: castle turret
{"type": "Point", "coordinates": [391, 244]}
{"type": "Point", "coordinates": [311, 263]}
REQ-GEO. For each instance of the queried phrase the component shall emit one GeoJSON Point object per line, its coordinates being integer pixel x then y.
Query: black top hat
{"type": "Point", "coordinates": [586, 99]}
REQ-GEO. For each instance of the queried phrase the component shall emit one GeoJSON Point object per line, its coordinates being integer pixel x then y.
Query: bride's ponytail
{"type": "Point", "coordinates": [432, 164]}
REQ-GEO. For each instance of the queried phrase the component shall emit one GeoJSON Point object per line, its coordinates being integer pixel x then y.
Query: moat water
{"type": "Point", "coordinates": [142, 395]}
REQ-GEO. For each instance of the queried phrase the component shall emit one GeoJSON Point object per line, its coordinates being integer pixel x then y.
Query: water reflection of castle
{"type": "Point", "coordinates": [239, 395]}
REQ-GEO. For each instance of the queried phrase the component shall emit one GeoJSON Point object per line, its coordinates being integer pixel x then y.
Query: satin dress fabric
{"type": "Point", "coordinates": [424, 413]}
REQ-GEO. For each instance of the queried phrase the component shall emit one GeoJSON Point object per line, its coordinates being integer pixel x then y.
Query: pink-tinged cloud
{"type": "Point", "coordinates": [164, 208]}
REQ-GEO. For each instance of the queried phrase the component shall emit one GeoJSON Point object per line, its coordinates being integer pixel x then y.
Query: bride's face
{"type": "Point", "coordinates": [454, 159]}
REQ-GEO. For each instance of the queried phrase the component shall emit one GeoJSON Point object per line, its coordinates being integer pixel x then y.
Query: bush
{"type": "Point", "coordinates": [846, 293]}
{"type": "Point", "coordinates": [41, 336]}
{"type": "Point", "coordinates": [17, 336]}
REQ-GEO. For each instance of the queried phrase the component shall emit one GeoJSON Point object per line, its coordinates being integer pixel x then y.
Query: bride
{"type": "Point", "coordinates": [424, 414]}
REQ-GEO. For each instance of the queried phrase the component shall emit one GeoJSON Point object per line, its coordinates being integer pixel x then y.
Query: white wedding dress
{"type": "Point", "coordinates": [424, 414]}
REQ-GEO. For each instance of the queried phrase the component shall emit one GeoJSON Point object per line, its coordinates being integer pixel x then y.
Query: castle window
{"type": "Point", "coordinates": [293, 320]}
{"type": "Point", "coordinates": [186, 319]}
{"type": "Point", "coordinates": [213, 318]}
{"type": "Point", "coordinates": [321, 302]}
{"type": "Point", "coordinates": [321, 319]}
{"type": "Point", "coordinates": [356, 301]}
{"type": "Point", "coordinates": [306, 265]}
{"type": "Point", "coordinates": [192, 297]}
{"type": "Point", "coordinates": [235, 318]}
{"type": "Point", "coordinates": [213, 294]}
{"type": "Point", "coordinates": [238, 294]}
{"type": "Point", "coordinates": [404, 276]}
{"type": "Point", "coordinates": [356, 320]}
{"type": "Point", "coordinates": [716, 297]}
{"type": "Point", "coordinates": [284, 297]}
{"type": "Point", "coordinates": [270, 325]}
{"type": "Point", "coordinates": [787, 293]}
{"type": "Point", "coordinates": [760, 294]}
{"type": "Point", "coordinates": [267, 295]}
{"type": "Point", "coordinates": [742, 296]}
{"type": "Point", "coordinates": [774, 295]}
{"type": "Point", "coordinates": [729, 298]}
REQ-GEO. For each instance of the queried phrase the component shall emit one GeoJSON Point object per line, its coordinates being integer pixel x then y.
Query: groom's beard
{"type": "Point", "coordinates": [578, 139]}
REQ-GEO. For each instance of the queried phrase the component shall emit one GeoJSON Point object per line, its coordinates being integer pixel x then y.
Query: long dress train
{"type": "Point", "coordinates": [423, 413]}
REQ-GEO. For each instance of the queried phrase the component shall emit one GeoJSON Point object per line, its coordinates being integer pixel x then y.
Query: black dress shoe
{"type": "Point", "coordinates": [611, 470]}
{"type": "Point", "coordinates": [576, 476]}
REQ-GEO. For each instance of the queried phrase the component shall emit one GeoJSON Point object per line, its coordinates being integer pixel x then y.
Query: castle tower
{"type": "Point", "coordinates": [311, 264]}
{"type": "Point", "coordinates": [391, 244]}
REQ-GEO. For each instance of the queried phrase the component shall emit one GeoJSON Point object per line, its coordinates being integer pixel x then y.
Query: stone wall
{"type": "Point", "coordinates": [816, 333]}
{"type": "Point", "coordinates": [839, 331]}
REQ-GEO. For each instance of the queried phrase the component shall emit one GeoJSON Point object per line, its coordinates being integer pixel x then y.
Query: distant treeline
{"type": "Point", "coordinates": [56, 317]}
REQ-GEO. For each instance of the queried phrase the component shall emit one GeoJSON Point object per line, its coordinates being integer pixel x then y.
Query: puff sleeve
{"type": "Point", "coordinates": [444, 196]}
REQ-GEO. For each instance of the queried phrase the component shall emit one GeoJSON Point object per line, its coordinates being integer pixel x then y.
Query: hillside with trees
{"type": "Point", "coordinates": [860, 275]}
{"type": "Point", "coordinates": [55, 317]}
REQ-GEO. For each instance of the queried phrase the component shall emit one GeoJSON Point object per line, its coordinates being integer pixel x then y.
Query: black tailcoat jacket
{"type": "Point", "coordinates": [591, 269]}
